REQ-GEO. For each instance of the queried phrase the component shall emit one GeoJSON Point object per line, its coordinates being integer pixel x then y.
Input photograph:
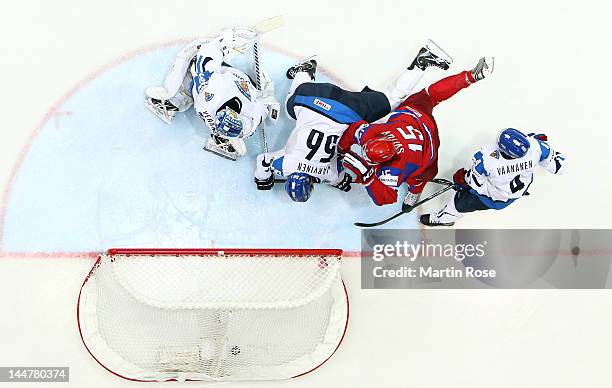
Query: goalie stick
{"type": "Point", "coordinates": [449, 185]}
{"type": "Point", "coordinates": [261, 27]}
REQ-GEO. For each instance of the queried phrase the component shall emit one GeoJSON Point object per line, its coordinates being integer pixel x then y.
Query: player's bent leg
{"type": "Point", "coordinates": [449, 86]}
{"type": "Point", "coordinates": [164, 102]}
{"type": "Point", "coordinates": [300, 78]}
{"type": "Point", "coordinates": [462, 202]}
{"type": "Point", "coordinates": [175, 77]}
{"type": "Point", "coordinates": [403, 86]}
{"type": "Point", "coordinates": [430, 56]}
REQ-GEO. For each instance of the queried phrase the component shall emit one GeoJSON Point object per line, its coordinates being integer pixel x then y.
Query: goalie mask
{"type": "Point", "coordinates": [231, 124]}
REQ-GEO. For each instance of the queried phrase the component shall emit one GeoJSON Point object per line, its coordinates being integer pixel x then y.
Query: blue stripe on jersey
{"type": "Point", "coordinates": [337, 111]}
{"type": "Point", "coordinates": [480, 164]}
{"type": "Point", "coordinates": [198, 66]}
{"type": "Point", "coordinates": [431, 146]}
{"type": "Point", "coordinates": [277, 165]}
{"type": "Point", "coordinates": [369, 191]}
{"type": "Point", "coordinates": [398, 113]}
{"type": "Point", "coordinates": [407, 112]}
{"type": "Point", "coordinates": [545, 148]}
{"type": "Point", "coordinates": [360, 132]}
{"type": "Point", "coordinates": [409, 169]}
{"type": "Point", "coordinates": [491, 203]}
{"type": "Point", "coordinates": [197, 81]}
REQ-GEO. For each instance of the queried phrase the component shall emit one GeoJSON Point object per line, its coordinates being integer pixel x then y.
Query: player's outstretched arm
{"type": "Point", "coordinates": [210, 55]}
{"type": "Point", "coordinates": [552, 161]}
{"type": "Point", "coordinates": [348, 137]}
{"type": "Point", "coordinates": [476, 172]}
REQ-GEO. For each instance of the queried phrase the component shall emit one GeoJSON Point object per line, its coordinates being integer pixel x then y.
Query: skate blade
{"type": "Point", "coordinates": [160, 115]}
{"type": "Point", "coordinates": [224, 154]}
{"type": "Point", "coordinates": [490, 62]}
{"type": "Point", "coordinates": [436, 49]}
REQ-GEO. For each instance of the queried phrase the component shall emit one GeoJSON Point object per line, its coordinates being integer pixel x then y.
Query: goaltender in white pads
{"type": "Point", "coordinates": [224, 97]}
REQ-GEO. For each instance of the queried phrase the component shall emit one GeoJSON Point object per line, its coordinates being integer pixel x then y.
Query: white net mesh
{"type": "Point", "coordinates": [212, 316]}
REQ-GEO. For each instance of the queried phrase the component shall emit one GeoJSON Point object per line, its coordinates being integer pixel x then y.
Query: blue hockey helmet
{"type": "Point", "coordinates": [513, 143]}
{"type": "Point", "coordinates": [299, 186]}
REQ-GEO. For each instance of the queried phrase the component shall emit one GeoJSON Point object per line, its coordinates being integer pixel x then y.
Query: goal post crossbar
{"type": "Point", "coordinates": [221, 251]}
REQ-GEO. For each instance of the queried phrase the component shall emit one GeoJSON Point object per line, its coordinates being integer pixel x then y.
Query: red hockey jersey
{"type": "Point", "coordinates": [415, 137]}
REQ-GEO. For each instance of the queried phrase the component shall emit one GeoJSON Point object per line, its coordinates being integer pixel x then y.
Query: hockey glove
{"type": "Point", "coordinates": [539, 136]}
{"type": "Point", "coordinates": [459, 177]}
{"type": "Point", "coordinates": [345, 183]}
{"type": "Point", "coordinates": [359, 170]}
{"type": "Point", "coordinates": [265, 184]}
{"type": "Point", "coordinates": [560, 163]}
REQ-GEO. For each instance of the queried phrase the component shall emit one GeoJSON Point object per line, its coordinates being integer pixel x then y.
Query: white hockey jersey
{"type": "Point", "coordinates": [323, 112]}
{"type": "Point", "coordinates": [312, 149]}
{"type": "Point", "coordinates": [500, 181]}
{"type": "Point", "coordinates": [215, 83]}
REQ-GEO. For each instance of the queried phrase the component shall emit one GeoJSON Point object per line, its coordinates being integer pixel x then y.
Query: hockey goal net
{"type": "Point", "coordinates": [213, 314]}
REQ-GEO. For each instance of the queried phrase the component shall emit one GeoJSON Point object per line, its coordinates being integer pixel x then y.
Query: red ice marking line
{"type": "Point", "coordinates": [93, 255]}
{"type": "Point", "coordinates": [55, 111]}
{"type": "Point", "coordinates": [49, 255]}
{"type": "Point", "coordinates": [58, 116]}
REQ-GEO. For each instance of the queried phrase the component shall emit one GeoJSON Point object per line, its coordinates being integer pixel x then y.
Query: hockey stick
{"type": "Point", "coordinates": [261, 27]}
{"type": "Point", "coordinates": [449, 185]}
{"type": "Point", "coordinates": [264, 143]}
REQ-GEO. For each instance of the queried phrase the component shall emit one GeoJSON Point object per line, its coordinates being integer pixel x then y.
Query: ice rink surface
{"type": "Point", "coordinates": [86, 167]}
{"type": "Point", "coordinates": [109, 157]}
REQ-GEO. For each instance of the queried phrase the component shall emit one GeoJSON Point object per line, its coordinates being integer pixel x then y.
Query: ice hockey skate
{"type": "Point", "coordinates": [432, 221]}
{"type": "Point", "coordinates": [431, 55]}
{"type": "Point", "coordinates": [308, 65]}
{"type": "Point", "coordinates": [483, 68]}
